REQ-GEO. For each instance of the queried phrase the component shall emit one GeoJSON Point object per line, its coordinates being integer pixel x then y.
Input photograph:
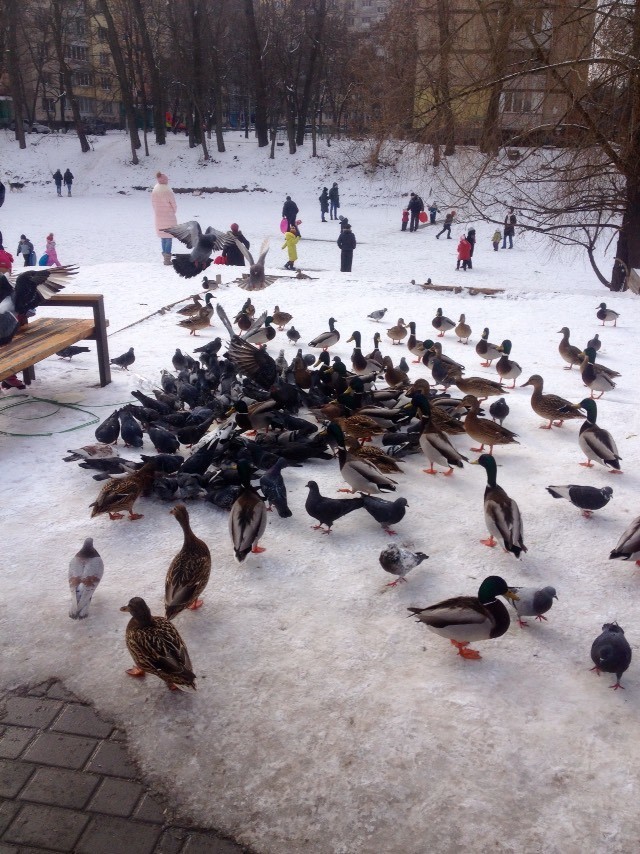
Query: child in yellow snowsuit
{"type": "Point", "coordinates": [290, 240]}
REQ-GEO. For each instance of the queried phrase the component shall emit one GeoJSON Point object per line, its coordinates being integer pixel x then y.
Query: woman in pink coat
{"type": "Point", "coordinates": [164, 210]}
{"type": "Point", "coordinates": [52, 255]}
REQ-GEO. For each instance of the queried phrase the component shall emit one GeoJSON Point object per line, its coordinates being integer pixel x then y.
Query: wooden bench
{"type": "Point", "coordinates": [45, 336]}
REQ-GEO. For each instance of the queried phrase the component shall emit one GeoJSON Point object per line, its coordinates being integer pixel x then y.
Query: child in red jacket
{"type": "Point", "coordinates": [405, 219]}
{"type": "Point", "coordinates": [464, 253]}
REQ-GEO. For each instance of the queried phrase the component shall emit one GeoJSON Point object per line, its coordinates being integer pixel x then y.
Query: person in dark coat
{"type": "Point", "coordinates": [509, 230]}
{"type": "Point", "coordinates": [446, 225]}
{"type": "Point", "coordinates": [347, 243]}
{"type": "Point", "coordinates": [231, 253]}
{"type": "Point", "coordinates": [415, 206]}
{"type": "Point", "coordinates": [334, 201]}
{"type": "Point", "coordinates": [471, 237]}
{"type": "Point", "coordinates": [68, 180]}
{"type": "Point", "coordinates": [57, 177]}
{"type": "Point", "coordinates": [289, 211]}
{"type": "Point", "coordinates": [2, 194]}
{"type": "Point", "coordinates": [324, 202]}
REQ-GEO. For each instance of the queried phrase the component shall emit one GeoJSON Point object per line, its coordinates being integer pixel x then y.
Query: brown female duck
{"type": "Point", "coordinates": [188, 572]}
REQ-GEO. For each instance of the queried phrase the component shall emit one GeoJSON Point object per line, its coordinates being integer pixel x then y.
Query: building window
{"type": "Point", "coordinates": [105, 83]}
{"type": "Point", "coordinates": [80, 28]}
{"type": "Point", "coordinates": [85, 105]}
{"type": "Point", "coordinates": [102, 34]}
{"type": "Point", "coordinates": [350, 20]}
{"type": "Point", "coordinates": [106, 108]}
{"type": "Point", "coordinates": [49, 105]}
{"type": "Point", "coordinates": [104, 59]}
{"type": "Point", "coordinates": [82, 78]}
{"type": "Point", "coordinates": [77, 51]}
{"type": "Point", "coordinates": [46, 78]}
{"type": "Point", "coordinates": [366, 2]}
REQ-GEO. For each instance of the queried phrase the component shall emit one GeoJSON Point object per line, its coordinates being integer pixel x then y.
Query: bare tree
{"type": "Point", "coordinates": [257, 72]}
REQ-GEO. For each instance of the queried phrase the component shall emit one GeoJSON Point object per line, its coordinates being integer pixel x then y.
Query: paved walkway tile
{"type": "Point", "coordinates": [68, 785]}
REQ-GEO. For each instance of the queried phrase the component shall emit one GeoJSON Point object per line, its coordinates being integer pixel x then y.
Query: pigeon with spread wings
{"type": "Point", "coordinates": [256, 280]}
{"type": "Point", "coordinates": [202, 245]}
{"type": "Point", "coordinates": [252, 361]}
{"type": "Point", "coordinates": [23, 293]}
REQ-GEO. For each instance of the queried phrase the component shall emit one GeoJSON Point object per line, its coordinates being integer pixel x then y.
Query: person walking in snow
{"type": "Point", "coordinates": [290, 211]}
{"type": "Point", "coordinates": [446, 225]}
{"type": "Point", "coordinates": [415, 207]}
{"type": "Point", "coordinates": [57, 177]}
{"type": "Point", "coordinates": [495, 240]}
{"type": "Point", "coordinates": [464, 254]}
{"type": "Point", "coordinates": [25, 248]}
{"type": "Point", "coordinates": [164, 206]}
{"type": "Point", "coordinates": [291, 238]}
{"type": "Point", "coordinates": [231, 253]}
{"type": "Point", "coordinates": [68, 180]}
{"type": "Point", "coordinates": [334, 201]}
{"type": "Point", "coordinates": [324, 203]}
{"type": "Point", "coordinates": [347, 243]}
{"type": "Point", "coordinates": [51, 253]}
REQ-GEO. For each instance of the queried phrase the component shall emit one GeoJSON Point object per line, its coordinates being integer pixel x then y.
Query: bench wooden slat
{"type": "Point", "coordinates": [41, 338]}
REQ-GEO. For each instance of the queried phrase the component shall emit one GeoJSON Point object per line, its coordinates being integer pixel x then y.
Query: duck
{"type": "Point", "coordinates": [436, 446]}
{"type": "Point", "coordinates": [571, 354]}
{"type": "Point", "coordinates": [595, 343]}
{"type": "Point", "coordinates": [398, 332]}
{"type": "Point", "coordinates": [399, 561]}
{"type": "Point", "coordinates": [200, 320]}
{"type": "Point", "coordinates": [441, 323]}
{"type": "Point", "coordinates": [533, 602]}
{"type": "Point", "coordinates": [611, 653]}
{"type": "Point", "coordinates": [372, 454]}
{"type": "Point", "coordinates": [393, 376]}
{"type": "Point", "coordinates": [361, 475]}
{"type": "Point", "coordinates": [361, 364]}
{"type": "Point", "coordinates": [597, 444]}
{"type": "Point", "coordinates": [482, 430]}
{"type": "Point", "coordinates": [358, 426]}
{"type": "Point", "coordinates": [248, 308]}
{"type": "Point", "coordinates": [607, 315]}
{"type": "Point", "coordinates": [463, 330]}
{"type": "Point", "coordinates": [507, 368]}
{"type": "Point", "coordinates": [248, 517]}
{"type": "Point", "coordinates": [585, 498]}
{"type": "Point", "coordinates": [156, 647]}
{"type": "Point", "coordinates": [415, 347]}
{"type": "Point", "coordinates": [465, 619]}
{"type": "Point", "coordinates": [188, 572]}
{"type": "Point", "coordinates": [375, 355]}
{"type": "Point", "coordinates": [478, 386]}
{"type": "Point", "coordinates": [326, 339]}
{"type": "Point", "coordinates": [501, 512]}
{"type": "Point", "coordinates": [499, 410]}
{"type": "Point", "coordinates": [487, 351]}
{"type": "Point", "coordinates": [123, 493]}
{"type": "Point", "coordinates": [442, 421]}
{"type": "Point", "coordinates": [86, 569]}
{"type": "Point", "coordinates": [261, 334]}
{"type": "Point", "coordinates": [281, 318]}
{"type": "Point", "coordinates": [628, 546]}
{"type": "Point", "coordinates": [377, 315]}
{"type": "Point", "coordinates": [594, 380]}
{"type": "Point", "coordinates": [433, 351]}
{"type": "Point", "coordinates": [554, 408]}
{"type": "Point", "coordinates": [255, 417]}
{"type": "Point", "coordinates": [193, 308]}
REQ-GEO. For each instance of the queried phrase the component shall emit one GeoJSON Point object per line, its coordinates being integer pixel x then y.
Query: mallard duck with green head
{"type": "Point", "coordinates": [597, 444]}
{"type": "Point", "coordinates": [607, 315]}
{"type": "Point", "coordinates": [262, 334]}
{"type": "Point", "coordinates": [361, 475]}
{"type": "Point", "coordinates": [326, 339]}
{"type": "Point", "coordinates": [360, 363]}
{"type": "Point", "coordinates": [415, 347]}
{"type": "Point", "coordinates": [248, 517]}
{"type": "Point", "coordinates": [507, 368]}
{"type": "Point", "coordinates": [594, 379]}
{"type": "Point", "coordinates": [554, 408]}
{"type": "Point", "coordinates": [156, 647]}
{"type": "Point", "coordinates": [188, 572]}
{"type": "Point", "coordinates": [486, 350]}
{"type": "Point", "coordinates": [434, 444]}
{"type": "Point", "coordinates": [467, 619]}
{"type": "Point", "coordinates": [501, 513]}
{"type": "Point", "coordinates": [441, 323]}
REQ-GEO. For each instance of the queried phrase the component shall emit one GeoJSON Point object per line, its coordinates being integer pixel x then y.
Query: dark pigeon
{"type": "Point", "coordinates": [130, 430]}
{"type": "Point", "coordinates": [274, 489]}
{"type": "Point", "coordinates": [202, 245]}
{"type": "Point", "coordinates": [387, 513]}
{"type": "Point", "coordinates": [499, 410]}
{"type": "Point", "coordinates": [585, 498]}
{"type": "Point", "coordinates": [328, 510]}
{"type": "Point", "coordinates": [109, 430]}
{"type": "Point", "coordinates": [73, 350]}
{"type": "Point", "coordinates": [293, 335]}
{"type": "Point", "coordinates": [611, 653]}
{"type": "Point", "coordinates": [163, 440]}
{"type": "Point", "coordinates": [124, 360]}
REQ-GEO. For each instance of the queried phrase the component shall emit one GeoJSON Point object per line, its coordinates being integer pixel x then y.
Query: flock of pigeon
{"type": "Point", "coordinates": [247, 416]}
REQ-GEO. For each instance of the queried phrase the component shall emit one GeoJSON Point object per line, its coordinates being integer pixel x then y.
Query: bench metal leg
{"type": "Point", "coordinates": [102, 345]}
{"type": "Point", "coordinates": [28, 375]}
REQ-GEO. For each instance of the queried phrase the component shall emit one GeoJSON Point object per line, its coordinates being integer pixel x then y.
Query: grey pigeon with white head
{"type": "Point", "coordinates": [533, 602]}
{"type": "Point", "coordinates": [86, 569]}
{"type": "Point", "coordinates": [400, 561]}
{"type": "Point", "coordinates": [611, 652]}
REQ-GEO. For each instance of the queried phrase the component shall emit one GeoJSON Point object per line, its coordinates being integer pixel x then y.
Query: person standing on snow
{"type": "Point", "coordinates": [25, 248]}
{"type": "Point", "coordinates": [323, 198]}
{"type": "Point", "coordinates": [334, 201]}
{"type": "Point", "coordinates": [68, 180]}
{"type": "Point", "coordinates": [509, 231]}
{"type": "Point", "coordinates": [291, 237]}
{"type": "Point", "coordinates": [231, 253]}
{"type": "Point", "coordinates": [415, 206]}
{"type": "Point", "coordinates": [51, 253]}
{"type": "Point", "coordinates": [464, 253]}
{"type": "Point", "coordinates": [57, 177]}
{"type": "Point", "coordinates": [289, 211]}
{"type": "Point", "coordinates": [471, 237]}
{"type": "Point", "coordinates": [164, 206]}
{"type": "Point", "coordinates": [347, 243]}
{"type": "Point", "coordinates": [433, 211]}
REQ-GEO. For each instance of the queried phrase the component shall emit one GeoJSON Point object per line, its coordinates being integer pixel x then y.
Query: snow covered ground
{"type": "Point", "coordinates": [325, 720]}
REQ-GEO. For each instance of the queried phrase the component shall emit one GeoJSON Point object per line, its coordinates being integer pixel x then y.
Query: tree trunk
{"type": "Point", "coordinates": [316, 40]}
{"type": "Point", "coordinates": [255, 60]}
{"type": "Point", "coordinates": [446, 123]}
{"type": "Point", "coordinates": [490, 139]}
{"type": "Point", "coordinates": [58, 29]}
{"type": "Point", "coordinates": [157, 91]}
{"type": "Point", "coordinates": [13, 65]}
{"type": "Point", "coordinates": [628, 248]}
{"type": "Point", "coordinates": [123, 79]}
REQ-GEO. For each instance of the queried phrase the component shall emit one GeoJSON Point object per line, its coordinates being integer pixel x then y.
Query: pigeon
{"type": "Point", "coordinates": [211, 348]}
{"type": "Point", "coordinates": [385, 512]}
{"type": "Point", "coordinates": [328, 510]}
{"type": "Point", "coordinates": [70, 352]}
{"type": "Point", "coordinates": [533, 602]}
{"type": "Point", "coordinates": [130, 430]}
{"type": "Point", "coordinates": [22, 294]}
{"type": "Point", "coordinates": [293, 335]}
{"type": "Point", "coordinates": [252, 361]}
{"type": "Point", "coordinates": [585, 498]}
{"type": "Point", "coordinates": [202, 246]}
{"type": "Point", "coordinates": [611, 653]}
{"type": "Point", "coordinates": [274, 489]}
{"type": "Point", "coordinates": [400, 562]}
{"type": "Point", "coordinates": [85, 571]}
{"type": "Point", "coordinates": [181, 360]}
{"type": "Point", "coordinates": [107, 433]}
{"type": "Point", "coordinates": [124, 360]}
{"type": "Point", "coordinates": [628, 546]}
{"type": "Point", "coordinates": [499, 410]}
{"type": "Point", "coordinates": [163, 440]}
{"type": "Point", "coordinates": [377, 315]}
{"type": "Point", "coordinates": [281, 364]}
{"type": "Point", "coordinates": [256, 280]}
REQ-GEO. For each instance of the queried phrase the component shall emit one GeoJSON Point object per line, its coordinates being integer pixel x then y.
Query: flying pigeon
{"type": "Point", "coordinates": [611, 653]}
{"type": "Point", "coordinates": [400, 562]}
{"type": "Point", "coordinates": [23, 293]}
{"type": "Point", "coordinates": [202, 246]}
{"type": "Point", "coordinates": [256, 280]}
{"type": "Point", "coordinates": [124, 360]}
{"type": "Point", "coordinates": [585, 498]}
{"type": "Point", "coordinates": [533, 602]}
{"type": "Point", "coordinates": [85, 571]}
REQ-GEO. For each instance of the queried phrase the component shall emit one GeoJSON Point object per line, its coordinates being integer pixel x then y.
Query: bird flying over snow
{"type": "Point", "coordinates": [256, 280]}
{"type": "Point", "coordinates": [202, 245]}
{"type": "Point", "coordinates": [23, 293]}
